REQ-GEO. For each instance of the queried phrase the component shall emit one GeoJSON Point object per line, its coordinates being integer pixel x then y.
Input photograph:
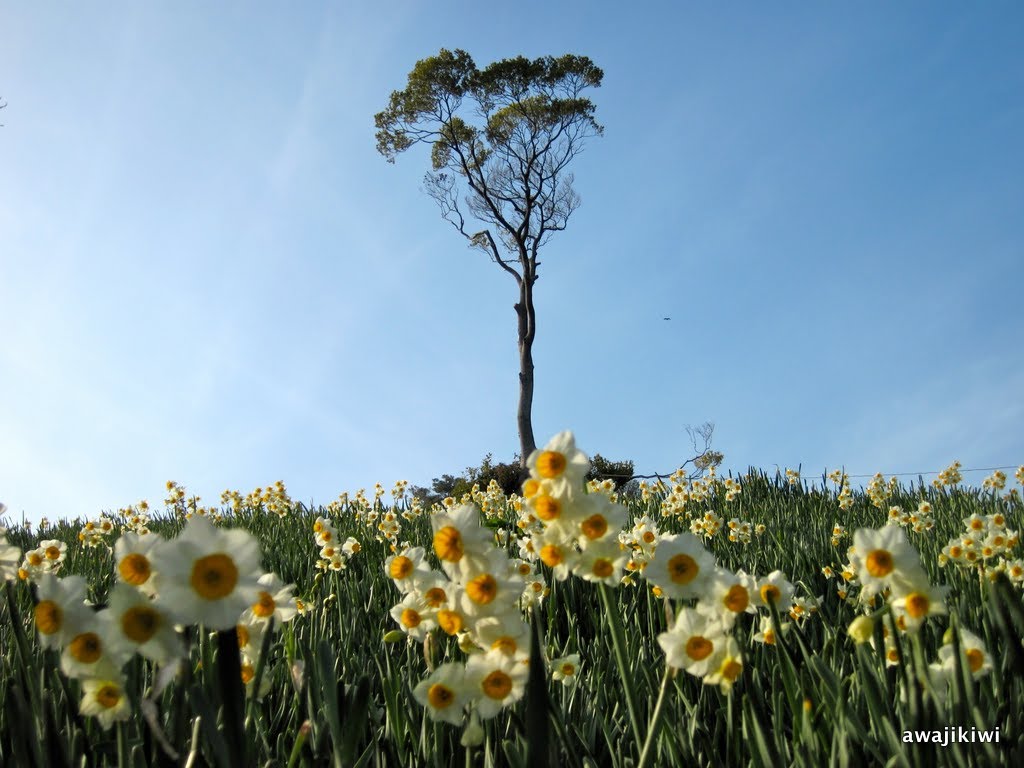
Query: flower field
{"type": "Point", "coordinates": [704, 620]}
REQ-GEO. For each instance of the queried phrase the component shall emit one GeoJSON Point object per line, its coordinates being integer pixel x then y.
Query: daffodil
{"type": "Point", "coordinates": [694, 642]}
{"type": "Point", "coordinates": [560, 462]}
{"type": "Point", "coordinates": [414, 616]}
{"type": "Point", "coordinates": [559, 554]}
{"type": "Point", "coordinates": [250, 638]}
{"type": "Point", "coordinates": [775, 589]}
{"type": "Point", "coordinates": [597, 519]}
{"type": "Point", "coordinates": [35, 564]}
{"type": "Point", "coordinates": [766, 631]}
{"type": "Point", "coordinates": [407, 567]}
{"type": "Point", "coordinates": [491, 590]}
{"type": "Point", "coordinates": [55, 552]}
{"type": "Point", "coordinates": [681, 566]}
{"type": "Point", "coordinates": [728, 669]}
{"type": "Point", "coordinates": [274, 600]}
{"type": "Point", "coordinates": [207, 575]}
{"type": "Point", "coordinates": [975, 656]}
{"type": "Point", "coordinates": [914, 600]}
{"type": "Point", "coordinates": [104, 698]}
{"type": "Point", "coordinates": [496, 680]}
{"type": "Point", "coordinates": [881, 555]}
{"type": "Point", "coordinates": [444, 693]}
{"type": "Point", "coordinates": [89, 652]}
{"type": "Point", "coordinates": [61, 612]}
{"type": "Point", "coordinates": [565, 670]}
{"type": "Point", "coordinates": [139, 625]}
{"type": "Point", "coordinates": [728, 595]}
{"type": "Point", "coordinates": [601, 561]}
{"type": "Point", "coordinates": [506, 633]}
{"type": "Point", "coordinates": [133, 563]}
{"type": "Point", "coordinates": [460, 542]}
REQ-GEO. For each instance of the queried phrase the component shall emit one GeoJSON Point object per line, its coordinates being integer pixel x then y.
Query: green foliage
{"type": "Point", "coordinates": [338, 695]}
{"type": "Point", "coordinates": [508, 475]}
{"type": "Point", "coordinates": [619, 472]}
{"type": "Point", "coordinates": [508, 131]}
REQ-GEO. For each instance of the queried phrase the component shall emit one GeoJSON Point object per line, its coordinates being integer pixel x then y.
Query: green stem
{"type": "Point", "coordinates": [619, 644]}
{"type": "Point", "coordinates": [647, 755]}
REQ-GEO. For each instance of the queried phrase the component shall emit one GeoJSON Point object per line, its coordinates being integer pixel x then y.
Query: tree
{"type": "Point", "coordinates": [510, 166]}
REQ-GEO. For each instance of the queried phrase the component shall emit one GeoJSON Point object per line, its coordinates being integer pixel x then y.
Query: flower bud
{"type": "Point", "coordinates": [861, 629]}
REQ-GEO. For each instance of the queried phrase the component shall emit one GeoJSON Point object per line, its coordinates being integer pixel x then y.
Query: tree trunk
{"type": "Point", "coordinates": [524, 417]}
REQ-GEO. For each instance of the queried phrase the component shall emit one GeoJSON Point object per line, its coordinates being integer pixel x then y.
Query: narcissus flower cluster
{"type": "Point", "coordinates": [206, 576]}
{"type": "Point", "coordinates": [473, 598]}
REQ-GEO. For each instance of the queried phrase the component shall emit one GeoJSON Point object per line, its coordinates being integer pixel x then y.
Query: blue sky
{"type": "Point", "coordinates": [208, 274]}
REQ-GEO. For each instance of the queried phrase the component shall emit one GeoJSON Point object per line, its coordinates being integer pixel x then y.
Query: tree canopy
{"type": "Point", "coordinates": [531, 122]}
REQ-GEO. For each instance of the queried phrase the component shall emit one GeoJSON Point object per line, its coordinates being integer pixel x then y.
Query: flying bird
{"type": "Point", "coordinates": [666, 318]}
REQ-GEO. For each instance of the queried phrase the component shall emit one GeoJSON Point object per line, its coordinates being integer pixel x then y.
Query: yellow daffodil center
{"type": "Point", "coordinates": [214, 576]}
{"type": "Point", "coordinates": [49, 617]}
{"type": "Point", "coordinates": [698, 648]}
{"type": "Point", "coordinates": [551, 554]}
{"type": "Point", "coordinates": [568, 669]}
{"type": "Point", "coordinates": [551, 464]}
{"type": "Point", "coordinates": [530, 487]}
{"type": "Point", "coordinates": [879, 563]}
{"type": "Point", "coordinates": [108, 696]}
{"type": "Point", "coordinates": [134, 569]}
{"type": "Point", "coordinates": [243, 635]}
{"type": "Point", "coordinates": [86, 648]}
{"type": "Point", "coordinates": [264, 606]}
{"type": "Point", "coordinates": [401, 567]}
{"type": "Point", "coordinates": [435, 597]}
{"type": "Point", "coordinates": [594, 527]}
{"type": "Point", "coordinates": [497, 685]}
{"type": "Point", "coordinates": [440, 696]}
{"type": "Point", "coordinates": [449, 621]}
{"type": "Point", "coordinates": [448, 544]}
{"type": "Point", "coordinates": [769, 636]}
{"type": "Point", "coordinates": [483, 589]}
{"type": "Point", "coordinates": [248, 673]}
{"type": "Point", "coordinates": [737, 598]}
{"type": "Point", "coordinates": [35, 559]}
{"type": "Point", "coordinates": [602, 568]}
{"type": "Point", "coordinates": [917, 605]}
{"type": "Point", "coordinates": [649, 537]}
{"type": "Point", "coordinates": [682, 569]}
{"type": "Point", "coordinates": [52, 553]}
{"type": "Point", "coordinates": [731, 670]}
{"type": "Point", "coordinates": [506, 645]}
{"type": "Point", "coordinates": [410, 618]}
{"type": "Point", "coordinates": [547, 508]}
{"type": "Point", "coordinates": [975, 659]}
{"type": "Point", "coordinates": [770, 594]}
{"type": "Point", "coordinates": [139, 623]}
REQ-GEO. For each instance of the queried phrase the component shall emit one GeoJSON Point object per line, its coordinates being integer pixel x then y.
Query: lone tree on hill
{"type": "Point", "coordinates": [510, 165]}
